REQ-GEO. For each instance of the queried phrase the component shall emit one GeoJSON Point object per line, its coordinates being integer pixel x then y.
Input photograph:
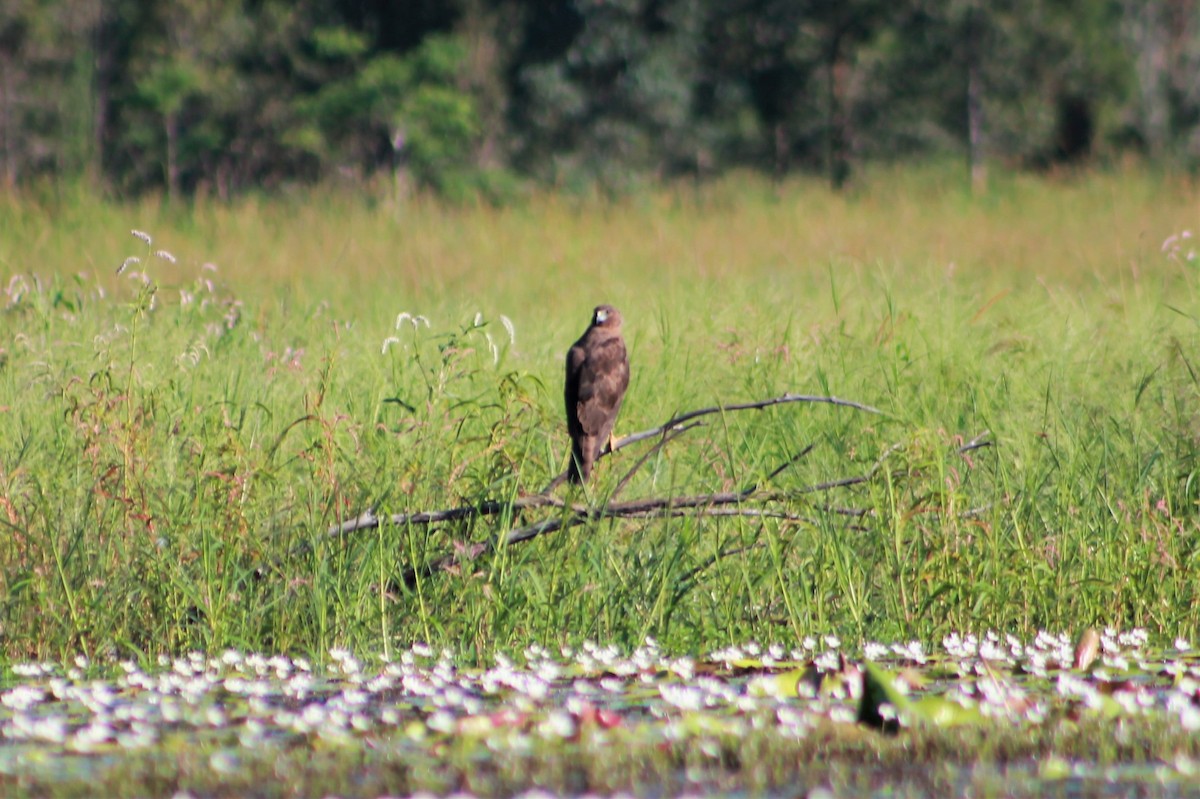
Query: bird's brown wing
{"type": "Point", "coordinates": [602, 383]}
{"type": "Point", "coordinates": [576, 357]}
{"type": "Point", "coordinates": [582, 448]}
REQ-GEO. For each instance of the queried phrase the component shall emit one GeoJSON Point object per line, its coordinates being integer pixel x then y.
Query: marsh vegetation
{"type": "Point", "coordinates": [186, 411]}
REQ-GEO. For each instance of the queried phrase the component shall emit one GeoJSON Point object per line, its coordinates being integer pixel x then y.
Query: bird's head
{"type": "Point", "coordinates": [606, 316]}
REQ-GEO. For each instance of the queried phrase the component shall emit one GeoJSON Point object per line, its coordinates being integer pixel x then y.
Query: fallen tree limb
{"type": "Point", "coordinates": [655, 507]}
{"type": "Point", "coordinates": [674, 422]}
{"type": "Point", "coordinates": [715, 504]}
{"type": "Point", "coordinates": [368, 520]}
{"type": "Point", "coordinates": [727, 504]}
{"type": "Point", "coordinates": [670, 430]}
{"type": "Point", "coordinates": [678, 424]}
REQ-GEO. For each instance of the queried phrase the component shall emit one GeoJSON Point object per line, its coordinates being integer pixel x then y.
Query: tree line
{"type": "Point", "coordinates": [217, 97]}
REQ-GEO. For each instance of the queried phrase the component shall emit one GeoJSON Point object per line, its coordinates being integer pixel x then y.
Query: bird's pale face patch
{"type": "Point", "coordinates": [606, 316]}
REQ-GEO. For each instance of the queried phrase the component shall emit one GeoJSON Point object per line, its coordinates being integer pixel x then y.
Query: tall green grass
{"type": "Point", "coordinates": [168, 448]}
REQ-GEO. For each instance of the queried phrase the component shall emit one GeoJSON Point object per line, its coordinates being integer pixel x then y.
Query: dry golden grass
{"type": "Point", "coordinates": [914, 224]}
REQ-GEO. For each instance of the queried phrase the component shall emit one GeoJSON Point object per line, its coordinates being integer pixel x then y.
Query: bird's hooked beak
{"type": "Point", "coordinates": [601, 315]}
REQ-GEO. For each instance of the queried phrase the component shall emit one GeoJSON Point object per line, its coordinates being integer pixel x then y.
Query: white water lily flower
{"type": "Point", "coordinates": [22, 697]}
{"type": "Point", "coordinates": [872, 650]}
{"type": "Point", "coordinates": [442, 722]}
{"type": "Point", "coordinates": [557, 724]}
{"type": "Point", "coordinates": [684, 697]}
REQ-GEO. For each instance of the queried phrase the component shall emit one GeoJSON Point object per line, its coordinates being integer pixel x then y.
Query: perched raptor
{"type": "Point", "coordinates": [597, 376]}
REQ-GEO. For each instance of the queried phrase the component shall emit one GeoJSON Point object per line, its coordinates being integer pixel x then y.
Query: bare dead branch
{"type": "Point", "coordinates": [691, 506]}
{"type": "Point", "coordinates": [368, 520]}
{"type": "Point", "coordinates": [844, 482]}
{"type": "Point", "coordinates": [978, 442]}
{"type": "Point", "coordinates": [715, 504]}
{"type": "Point", "coordinates": [633, 438]}
{"type": "Point", "coordinates": [750, 502]}
{"type": "Point", "coordinates": [675, 422]}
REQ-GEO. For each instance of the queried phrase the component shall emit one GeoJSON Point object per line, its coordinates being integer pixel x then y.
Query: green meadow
{"type": "Point", "coordinates": [177, 439]}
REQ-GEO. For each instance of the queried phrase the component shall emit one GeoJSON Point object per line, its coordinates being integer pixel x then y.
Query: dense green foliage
{"type": "Point", "coordinates": [464, 96]}
{"type": "Point", "coordinates": [169, 437]}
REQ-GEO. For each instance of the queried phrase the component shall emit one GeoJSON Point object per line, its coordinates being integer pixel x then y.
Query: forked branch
{"type": "Point", "coordinates": [671, 429]}
{"type": "Point", "coordinates": [682, 418]}
{"type": "Point", "coordinates": [753, 501]}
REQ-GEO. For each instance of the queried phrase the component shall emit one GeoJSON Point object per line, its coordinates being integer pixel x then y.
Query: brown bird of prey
{"type": "Point", "coordinates": [597, 376]}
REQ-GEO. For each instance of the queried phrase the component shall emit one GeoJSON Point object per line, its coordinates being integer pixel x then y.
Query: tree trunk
{"type": "Point", "coordinates": [972, 43]}
{"type": "Point", "coordinates": [7, 156]}
{"type": "Point", "coordinates": [1146, 21]}
{"type": "Point", "coordinates": [836, 132]}
{"type": "Point", "coordinates": [104, 48]}
{"type": "Point", "coordinates": [975, 156]}
{"type": "Point", "coordinates": [781, 151]}
{"type": "Point", "coordinates": [171, 125]}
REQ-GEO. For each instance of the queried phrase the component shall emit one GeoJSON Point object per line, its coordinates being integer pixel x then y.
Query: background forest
{"type": "Point", "coordinates": [215, 97]}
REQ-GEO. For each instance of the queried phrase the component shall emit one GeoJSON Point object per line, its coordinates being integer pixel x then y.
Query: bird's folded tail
{"type": "Point", "coordinates": [580, 468]}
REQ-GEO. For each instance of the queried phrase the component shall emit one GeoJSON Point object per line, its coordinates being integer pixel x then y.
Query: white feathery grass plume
{"type": "Point", "coordinates": [415, 321]}
{"type": "Point", "coordinates": [192, 355]}
{"type": "Point", "coordinates": [166, 256]}
{"type": "Point", "coordinates": [510, 327]}
{"type": "Point", "coordinates": [141, 234]}
{"type": "Point", "coordinates": [492, 345]}
{"type": "Point", "coordinates": [128, 262]}
{"type": "Point", "coordinates": [388, 342]}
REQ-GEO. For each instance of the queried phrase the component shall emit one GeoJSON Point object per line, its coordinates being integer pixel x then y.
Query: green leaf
{"type": "Point", "coordinates": [783, 684]}
{"type": "Point", "coordinates": [886, 705]}
{"type": "Point", "coordinates": [939, 711]}
{"type": "Point", "coordinates": [167, 86]}
{"type": "Point", "coordinates": [338, 43]}
{"type": "Point", "coordinates": [882, 699]}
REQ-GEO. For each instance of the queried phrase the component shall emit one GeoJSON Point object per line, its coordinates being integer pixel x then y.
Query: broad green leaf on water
{"type": "Point", "coordinates": [806, 683]}
{"type": "Point", "coordinates": [882, 699]}
{"type": "Point", "coordinates": [775, 685]}
{"type": "Point", "coordinates": [701, 723]}
{"type": "Point", "coordinates": [783, 684]}
{"type": "Point", "coordinates": [942, 712]}
{"type": "Point", "coordinates": [885, 705]}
